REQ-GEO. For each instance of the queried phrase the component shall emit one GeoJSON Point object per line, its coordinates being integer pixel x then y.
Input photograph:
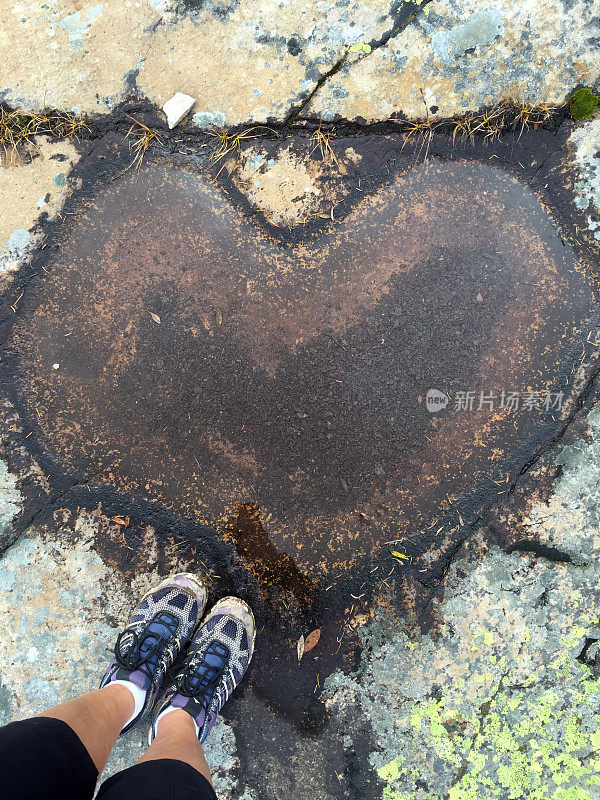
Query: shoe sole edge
{"type": "Point", "coordinates": [200, 591]}
{"type": "Point", "coordinates": [231, 600]}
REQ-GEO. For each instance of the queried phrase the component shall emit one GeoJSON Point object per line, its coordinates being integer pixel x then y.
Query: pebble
{"type": "Point", "coordinates": [177, 107]}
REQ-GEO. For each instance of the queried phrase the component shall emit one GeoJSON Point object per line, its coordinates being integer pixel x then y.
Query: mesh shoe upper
{"type": "Point", "coordinates": [217, 659]}
{"type": "Point", "coordinates": [161, 625]}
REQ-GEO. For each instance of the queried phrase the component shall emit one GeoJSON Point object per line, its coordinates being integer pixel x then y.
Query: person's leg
{"type": "Point", "coordinates": [176, 738]}
{"type": "Point", "coordinates": [42, 758]}
{"type": "Point", "coordinates": [59, 754]}
{"type": "Point", "coordinates": [174, 767]}
{"type": "Point", "coordinates": [160, 626]}
{"type": "Point", "coordinates": [97, 718]}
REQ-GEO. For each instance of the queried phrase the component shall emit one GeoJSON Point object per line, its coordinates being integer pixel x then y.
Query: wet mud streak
{"type": "Point", "coordinates": [274, 572]}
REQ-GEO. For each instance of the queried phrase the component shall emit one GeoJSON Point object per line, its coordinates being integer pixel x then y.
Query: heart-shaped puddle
{"type": "Point", "coordinates": [205, 362]}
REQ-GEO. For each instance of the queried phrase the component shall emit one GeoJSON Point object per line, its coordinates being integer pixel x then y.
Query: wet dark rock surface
{"type": "Point", "coordinates": [250, 402]}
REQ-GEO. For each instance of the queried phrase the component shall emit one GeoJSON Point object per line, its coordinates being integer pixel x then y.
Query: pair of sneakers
{"type": "Point", "coordinates": [164, 624]}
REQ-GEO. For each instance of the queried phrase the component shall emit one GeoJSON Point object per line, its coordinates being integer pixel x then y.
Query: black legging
{"type": "Point", "coordinates": [44, 759]}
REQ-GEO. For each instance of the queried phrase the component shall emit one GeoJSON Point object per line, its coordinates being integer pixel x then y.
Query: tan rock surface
{"type": "Point", "coordinates": [463, 55]}
{"type": "Point", "coordinates": [243, 63]}
{"type": "Point", "coordinates": [291, 187]}
{"type": "Point", "coordinates": [28, 190]}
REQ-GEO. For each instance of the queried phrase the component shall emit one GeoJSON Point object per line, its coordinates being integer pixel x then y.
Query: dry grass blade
{"type": "Point", "coordinates": [229, 144]}
{"type": "Point", "coordinates": [490, 121]}
{"type": "Point", "coordinates": [501, 118]}
{"type": "Point", "coordinates": [463, 128]}
{"type": "Point", "coordinates": [417, 130]}
{"type": "Point", "coordinates": [493, 132]}
{"type": "Point", "coordinates": [527, 114]}
{"type": "Point", "coordinates": [142, 137]}
{"type": "Point", "coordinates": [322, 140]}
{"type": "Point", "coordinates": [420, 129]}
{"type": "Point", "coordinates": [18, 128]}
{"type": "Point", "coordinates": [70, 125]}
{"type": "Point", "coordinates": [523, 115]}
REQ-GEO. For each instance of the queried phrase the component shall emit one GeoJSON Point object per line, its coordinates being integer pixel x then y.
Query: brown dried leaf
{"type": "Point", "coordinates": [155, 317]}
{"type": "Point", "coordinates": [300, 648]}
{"type": "Point", "coordinates": [312, 639]}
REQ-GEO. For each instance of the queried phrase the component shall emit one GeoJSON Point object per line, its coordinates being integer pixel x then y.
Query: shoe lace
{"type": "Point", "coordinates": [199, 678]}
{"type": "Point", "coordinates": [134, 650]}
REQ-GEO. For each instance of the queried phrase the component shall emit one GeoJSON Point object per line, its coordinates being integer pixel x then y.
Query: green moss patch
{"type": "Point", "coordinates": [583, 103]}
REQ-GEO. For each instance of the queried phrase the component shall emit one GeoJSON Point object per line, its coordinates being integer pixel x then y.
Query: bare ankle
{"type": "Point", "coordinates": [176, 738]}
{"type": "Point", "coordinates": [177, 722]}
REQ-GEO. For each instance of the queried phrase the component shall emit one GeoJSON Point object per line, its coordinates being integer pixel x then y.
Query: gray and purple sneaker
{"type": "Point", "coordinates": [217, 658]}
{"type": "Point", "coordinates": [160, 627]}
